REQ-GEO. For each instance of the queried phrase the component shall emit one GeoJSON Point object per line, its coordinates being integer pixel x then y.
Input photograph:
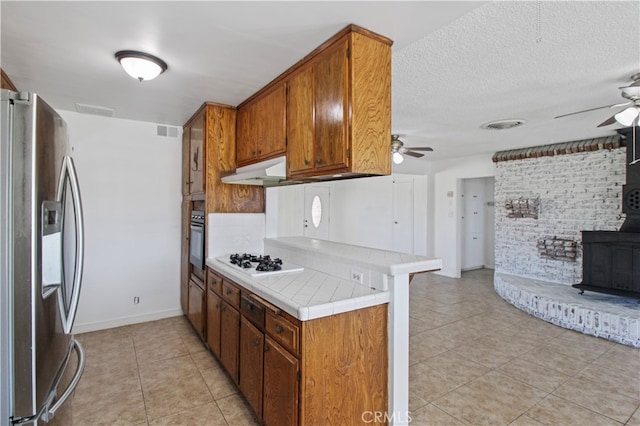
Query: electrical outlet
{"type": "Point", "coordinates": [136, 300]}
{"type": "Point", "coordinates": [357, 276]}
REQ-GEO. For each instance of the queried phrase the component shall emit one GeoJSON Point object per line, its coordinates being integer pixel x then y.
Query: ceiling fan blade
{"type": "Point", "coordinates": [412, 154]}
{"type": "Point", "coordinates": [594, 109]}
{"type": "Point", "coordinates": [608, 121]}
{"type": "Point", "coordinates": [420, 148]}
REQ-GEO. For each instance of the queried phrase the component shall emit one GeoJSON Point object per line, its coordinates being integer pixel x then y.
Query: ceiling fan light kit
{"type": "Point", "coordinates": [397, 158]}
{"type": "Point", "coordinates": [140, 65]}
{"type": "Point", "coordinates": [398, 150]}
{"type": "Point", "coordinates": [627, 116]}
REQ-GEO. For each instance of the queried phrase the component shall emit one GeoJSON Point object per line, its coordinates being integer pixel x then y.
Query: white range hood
{"type": "Point", "coordinates": [266, 173]}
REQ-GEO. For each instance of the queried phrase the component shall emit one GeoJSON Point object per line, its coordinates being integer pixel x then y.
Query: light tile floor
{"type": "Point", "coordinates": [474, 359]}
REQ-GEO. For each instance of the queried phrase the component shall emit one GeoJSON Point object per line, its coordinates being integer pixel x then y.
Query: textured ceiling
{"type": "Point", "coordinates": [456, 65]}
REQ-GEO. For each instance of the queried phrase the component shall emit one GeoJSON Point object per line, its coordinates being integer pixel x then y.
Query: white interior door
{"type": "Point", "coordinates": [316, 212]}
{"type": "Point", "coordinates": [403, 216]}
{"type": "Point", "coordinates": [473, 224]}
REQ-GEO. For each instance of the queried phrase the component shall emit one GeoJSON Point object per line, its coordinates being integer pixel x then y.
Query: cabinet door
{"type": "Point", "coordinates": [184, 256]}
{"type": "Point", "coordinates": [229, 339]}
{"type": "Point", "coordinates": [281, 384]}
{"type": "Point", "coordinates": [245, 135]}
{"type": "Point", "coordinates": [195, 308]}
{"type": "Point", "coordinates": [300, 129]}
{"type": "Point", "coordinates": [196, 157]}
{"type": "Point", "coordinates": [251, 351]}
{"type": "Point", "coordinates": [186, 149]}
{"type": "Point", "coordinates": [271, 126]}
{"type": "Point", "coordinates": [331, 77]}
{"type": "Point", "coordinates": [214, 305]}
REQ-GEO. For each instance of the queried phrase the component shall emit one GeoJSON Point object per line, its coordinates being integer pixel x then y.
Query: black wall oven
{"type": "Point", "coordinates": [196, 244]}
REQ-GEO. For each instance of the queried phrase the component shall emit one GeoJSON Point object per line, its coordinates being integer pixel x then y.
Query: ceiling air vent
{"type": "Point", "coordinates": [503, 124]}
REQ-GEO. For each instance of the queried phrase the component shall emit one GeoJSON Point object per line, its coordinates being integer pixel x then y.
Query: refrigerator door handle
{"type": "Point", "coordinates": [49, 412]}
{"type": "Point", "coordinates": [69, 315]}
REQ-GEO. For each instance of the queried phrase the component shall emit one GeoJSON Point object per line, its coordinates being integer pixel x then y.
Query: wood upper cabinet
{"type": "Point", "coordinates": [5, 82]}
{"type": "Point", "coordinates": [300, 124]}
{"type": "Point", "coordinates": [209, 152]}
{"type": "Point", "coordinates": [261, 127]}
{"type": "Point", "coordinates": [331, 78]}
{"type": "Point", "coordinates": [339, 108]}
{"type": "Point", "coordinates": [193, 156]}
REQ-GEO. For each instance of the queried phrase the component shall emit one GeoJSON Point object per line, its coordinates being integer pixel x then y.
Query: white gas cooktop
{"type": "Point", "coordinates": [286, 267]}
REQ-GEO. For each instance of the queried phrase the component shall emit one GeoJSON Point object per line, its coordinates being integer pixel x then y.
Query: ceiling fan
{"type": "Point", "coordinates": [627, 116]}
{"type": "Point", "coordinates": [398, 150]}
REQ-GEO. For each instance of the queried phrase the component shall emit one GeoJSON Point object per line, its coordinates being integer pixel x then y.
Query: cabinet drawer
{"type": "Point", "coordinates": [214, 282]}
{"type": "Point", "coordinates": [284, 332]}
{"type": "Point", "coordinates": [231, 294]}
{"type": "Point", "coordinates": [252, 310]}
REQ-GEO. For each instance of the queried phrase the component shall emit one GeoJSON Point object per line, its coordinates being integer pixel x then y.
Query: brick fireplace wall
{"type": "Point", "coordinates": [577, 186]}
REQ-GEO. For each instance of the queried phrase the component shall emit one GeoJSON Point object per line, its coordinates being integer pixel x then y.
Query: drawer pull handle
{"type": "Point", "coordinates": [279, 329]}
{"type": "Point", "coordinates": [229, 291]}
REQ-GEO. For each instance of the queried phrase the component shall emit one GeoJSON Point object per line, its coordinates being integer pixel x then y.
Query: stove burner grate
{"type": "Point", "coordinates": [264, 263]}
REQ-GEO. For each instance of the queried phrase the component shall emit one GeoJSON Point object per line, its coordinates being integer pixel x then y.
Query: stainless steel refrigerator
{"type": "Point", "coordinates": [41, 259]}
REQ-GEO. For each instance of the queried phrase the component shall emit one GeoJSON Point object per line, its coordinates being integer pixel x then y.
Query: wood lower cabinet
{"type": "Point", "coordinates": [251, 364]}
{"type": "Point", "coordinates": [214, 319]}
{"type": "Point", "coordinates": [195, 311]}
{"type": "Point", "coordinates": [323, 371]}
{"type": "Point", "coordinates": [281, 385]}
{"type": "Point", "coordinates": [229, 339]}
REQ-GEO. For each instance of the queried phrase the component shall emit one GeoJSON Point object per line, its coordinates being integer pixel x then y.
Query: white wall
{"type": "Point", "coordinates": [361, 211]}
{"type": "Point", "coordinates": [130, 186]}
{"type": "Point", "coordinates": [447, 207]}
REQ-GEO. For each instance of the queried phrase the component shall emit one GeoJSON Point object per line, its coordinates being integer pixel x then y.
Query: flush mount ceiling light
{"type": "Point", "coordinates": [140, 65]}
{"type": "Point", "coordinates": [503, 124]}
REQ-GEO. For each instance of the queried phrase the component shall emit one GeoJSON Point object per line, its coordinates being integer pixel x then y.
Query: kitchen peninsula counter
{"type": "Point", "coordinates": [305, 295]}
{"type": "Point", "coordinates": [344, 289]}
{"type": "Point", "coordinates": [326, 286]}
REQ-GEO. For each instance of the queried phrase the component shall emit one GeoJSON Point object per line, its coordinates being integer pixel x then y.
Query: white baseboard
{"type": "Point", "coordinates": [119, 322]}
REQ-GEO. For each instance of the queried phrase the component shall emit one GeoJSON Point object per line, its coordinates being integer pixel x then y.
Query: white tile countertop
{"type": "Point", "coordinates": [306, 295]}
{"type": "Point", "coordinates": [383, 261]}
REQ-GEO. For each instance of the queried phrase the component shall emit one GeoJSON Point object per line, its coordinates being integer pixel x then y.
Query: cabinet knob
{"type": "Point", "coordinates": [307, 162]}
{"type": "Point", "coordinates": [256, 342]}
{"type": "Point", "coordinates": [318, 161]}
{"type": "Point", "coordinates": [279, 329]}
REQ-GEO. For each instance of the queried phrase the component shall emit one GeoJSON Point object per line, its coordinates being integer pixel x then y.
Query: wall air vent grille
{"type": "Point", "coordinates": [169, 131]}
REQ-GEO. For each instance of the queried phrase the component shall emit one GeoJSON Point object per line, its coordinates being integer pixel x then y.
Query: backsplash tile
{"type": "Point", "coordinates": [235, 233]}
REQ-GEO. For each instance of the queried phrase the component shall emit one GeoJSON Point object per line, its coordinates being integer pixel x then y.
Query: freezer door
{"type": "Point", "coordinates": [37, 219]}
